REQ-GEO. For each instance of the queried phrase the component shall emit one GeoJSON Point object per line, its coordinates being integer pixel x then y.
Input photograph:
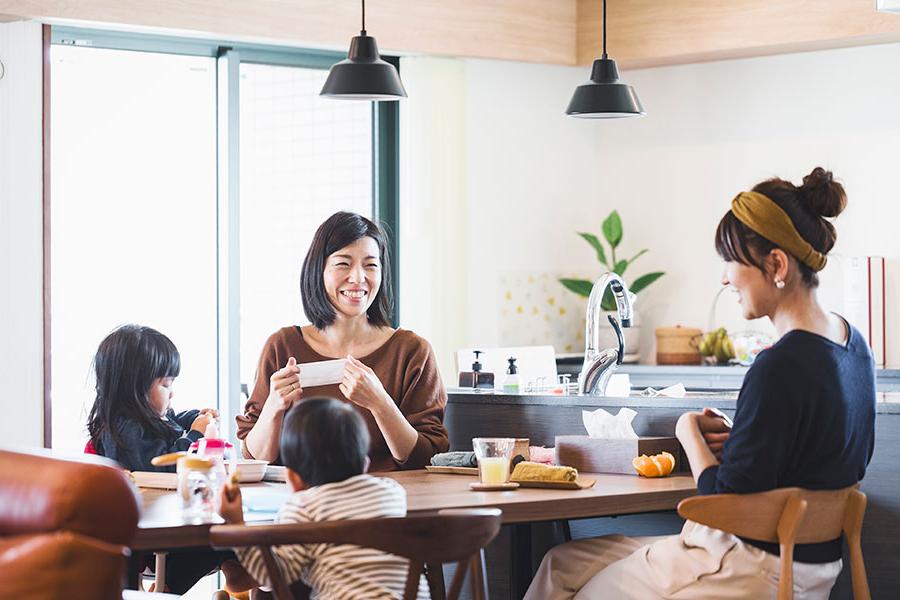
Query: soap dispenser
{"type": "Point", "coordinates": [476, 378]}
{"type": "Point", "coordinates": [511, 383]}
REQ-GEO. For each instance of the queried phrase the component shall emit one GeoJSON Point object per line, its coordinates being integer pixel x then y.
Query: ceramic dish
{"type": "Point", "coordinates": [251, 471]}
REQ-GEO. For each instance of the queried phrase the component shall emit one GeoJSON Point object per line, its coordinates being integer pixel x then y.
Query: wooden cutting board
{"type": "Point", "coordinates": [452, 470]}
{"type": "Point", "coordinates": [582, 483]}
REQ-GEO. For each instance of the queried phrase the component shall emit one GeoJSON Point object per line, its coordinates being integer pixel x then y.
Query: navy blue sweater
{"type": "Point", "coordinates": [805, 417]}
{"type": "Point", "coordinates": [139, 446]}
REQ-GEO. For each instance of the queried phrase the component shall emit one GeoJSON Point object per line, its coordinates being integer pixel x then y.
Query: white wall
{"type": "Point", "coordinates": [432, 204]}
{"type": "Point", "coordinates": [534, 177]}
{"type": "Point", "coordinates": [21, 249]}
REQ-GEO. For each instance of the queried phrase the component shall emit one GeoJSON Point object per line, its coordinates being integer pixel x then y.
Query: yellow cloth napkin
{"type": "Point", "coordinates": [532, 471]}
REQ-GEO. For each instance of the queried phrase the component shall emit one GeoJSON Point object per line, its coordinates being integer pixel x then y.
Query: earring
{"type": "Point", "coordinates": [779, 284]}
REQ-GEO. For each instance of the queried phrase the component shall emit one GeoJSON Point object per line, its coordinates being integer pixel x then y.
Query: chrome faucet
{"type": "Point", "coordinates": [600, 364]}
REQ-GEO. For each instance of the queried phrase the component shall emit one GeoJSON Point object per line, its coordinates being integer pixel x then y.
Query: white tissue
{"type": "Point", "coordinates": [324, 372]}
{"type": "Point", "coordinates": [601, 424]}
{"type": "Point", "coordinates": [673, 391]}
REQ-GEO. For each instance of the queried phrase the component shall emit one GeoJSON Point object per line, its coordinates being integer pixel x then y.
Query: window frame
{"type": "Point", "coordinates": [229, 55]}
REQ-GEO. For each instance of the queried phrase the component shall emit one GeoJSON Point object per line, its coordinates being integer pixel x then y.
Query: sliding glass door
{"type": "Point", "coordinates": [303, 158]}
{"type": "Point", "coordinates": [148, 224]}
{"type": "Point", "coordinates": [133, 227]}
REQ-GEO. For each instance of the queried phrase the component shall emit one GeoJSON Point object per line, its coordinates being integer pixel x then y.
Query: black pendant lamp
{"type": "Point", "coordinates": [363, 75]}
{"type": "Point", "coordinates": [604, 96]}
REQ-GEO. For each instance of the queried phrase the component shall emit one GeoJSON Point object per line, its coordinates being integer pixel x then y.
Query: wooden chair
{"type": "Point", "coordinates": [789, 516]}
{"type": "Point", "coordinates": [450, 536]}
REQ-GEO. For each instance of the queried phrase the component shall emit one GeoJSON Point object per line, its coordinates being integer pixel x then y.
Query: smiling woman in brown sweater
{"type": "Point", "coordinates": [391, 376]}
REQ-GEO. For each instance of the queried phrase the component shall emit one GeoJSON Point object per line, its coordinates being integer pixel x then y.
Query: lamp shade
{"type": "Point", "coordinates": [363, 75]}
{"type": "Point", "coordinates": [604, 96]}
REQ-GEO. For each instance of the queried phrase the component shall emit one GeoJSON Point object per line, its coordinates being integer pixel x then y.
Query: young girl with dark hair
{"type": "Point", "coordinates": [805, 417]}
{"type": "Point", "coordinates": [131, 420]}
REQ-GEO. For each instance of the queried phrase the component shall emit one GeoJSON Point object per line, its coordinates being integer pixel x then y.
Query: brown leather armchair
{"type": "Point", "coordinates": [65, 527]}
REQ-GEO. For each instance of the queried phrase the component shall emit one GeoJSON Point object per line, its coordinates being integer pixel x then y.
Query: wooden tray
{"type": "Point", "coordinates": [582, 483]}
{"type": "Point", "coordinates": [452, 470]}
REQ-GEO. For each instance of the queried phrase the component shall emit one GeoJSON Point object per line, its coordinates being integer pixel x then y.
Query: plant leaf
{"type": "Point", "coordinates": [644, 280]}
{"type": "Point", "coordinates": [591, 239]}
{"type": "Point", "coordinates": [608, 302]}
{"type": "Point", "coordinates": [612, 229]}
{"type": "Point", "coordinates": [582, 287]}
{"type": "Point", "coordinates": [620, 267]}
{"type": "Point", "coordinates": [637, 256]}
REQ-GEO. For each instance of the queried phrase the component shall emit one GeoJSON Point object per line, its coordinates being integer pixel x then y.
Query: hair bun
{"type": "Point", "coordinates": [822, 194]}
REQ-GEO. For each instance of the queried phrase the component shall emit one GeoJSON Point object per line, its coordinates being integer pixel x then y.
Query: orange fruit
{"type": "Point", "coordinates": [658, 465]}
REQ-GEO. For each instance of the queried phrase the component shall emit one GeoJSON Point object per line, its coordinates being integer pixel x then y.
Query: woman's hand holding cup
{"type": "Point", "coordinates": [284, 385]}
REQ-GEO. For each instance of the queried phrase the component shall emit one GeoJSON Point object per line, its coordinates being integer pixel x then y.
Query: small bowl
{"type": "Point", "coordinates": [251, 471]}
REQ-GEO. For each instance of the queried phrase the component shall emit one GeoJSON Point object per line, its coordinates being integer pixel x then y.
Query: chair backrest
{"type": "Point", "coordinates": [89, 495]}
{"type": "Point", "coordinates": [64, 526]}
{"type": "Point", "coordinates": [449, 536]}
{"type": "Point", "coordinates": [788, 516]}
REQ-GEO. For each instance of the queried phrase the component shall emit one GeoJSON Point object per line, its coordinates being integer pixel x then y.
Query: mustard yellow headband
{"type": "Point", "coordinates": [759, 213]}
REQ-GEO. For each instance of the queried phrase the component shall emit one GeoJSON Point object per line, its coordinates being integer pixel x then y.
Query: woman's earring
{"type": "Point", "coordinates": [779, 284]}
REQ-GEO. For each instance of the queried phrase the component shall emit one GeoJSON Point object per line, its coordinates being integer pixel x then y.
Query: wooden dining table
{"type": "Point", "coordinates": [162, 528]}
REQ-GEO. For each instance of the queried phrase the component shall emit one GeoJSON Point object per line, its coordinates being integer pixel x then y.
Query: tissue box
{"type": "Point", "coordinates": [597, 455]}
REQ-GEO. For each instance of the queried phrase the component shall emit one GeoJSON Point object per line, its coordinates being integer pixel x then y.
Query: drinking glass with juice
{"type": "Point", "coordinates": [493, 456]}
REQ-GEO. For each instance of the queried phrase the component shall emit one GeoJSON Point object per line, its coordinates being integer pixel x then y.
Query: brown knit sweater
{"type": "Point", "coordinates": [406, 366]}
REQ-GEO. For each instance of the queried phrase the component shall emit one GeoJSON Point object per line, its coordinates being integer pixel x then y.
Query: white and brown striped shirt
{"type": "Point", "coordinates": [336, 572]}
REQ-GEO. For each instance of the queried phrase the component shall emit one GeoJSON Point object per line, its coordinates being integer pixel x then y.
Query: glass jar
{"type": "Point", "coordinates": [196, 488]}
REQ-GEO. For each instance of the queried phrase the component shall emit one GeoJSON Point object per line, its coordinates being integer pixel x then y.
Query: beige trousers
{"type": "Point", "coordinates": [700, 562]}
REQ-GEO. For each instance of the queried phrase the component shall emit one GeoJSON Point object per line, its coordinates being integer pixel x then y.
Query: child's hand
{"type": "Point", "coordinates": [284, 385]}
{"type": "Point", "coordinates": [210, 411]}
{"type": "Point", "coordinates": [361, 386]}
{"type": "Point", "coordinates": [201, 422]}
{"type": "Point", "coordinates": [230, 505]}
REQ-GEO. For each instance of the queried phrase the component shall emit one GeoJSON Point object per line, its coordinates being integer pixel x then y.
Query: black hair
{"type": "Point", "coordinates": [324, 440]}
{"type": "Point", "coordinates": [127, 363]}
{"type": "Point", "coordinates": [338, 231]}
{"type": "Point", "coordinates": [808, 205]}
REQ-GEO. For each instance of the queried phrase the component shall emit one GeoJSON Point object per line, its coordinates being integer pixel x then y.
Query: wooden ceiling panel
{"type": "Point", "coordinates": [658, 32]}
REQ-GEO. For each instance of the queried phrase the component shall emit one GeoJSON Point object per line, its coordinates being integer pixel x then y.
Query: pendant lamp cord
{"type": "Point", "coordinates": [363, 32]}
{"type": "Point", "coordinates": [604, 28]}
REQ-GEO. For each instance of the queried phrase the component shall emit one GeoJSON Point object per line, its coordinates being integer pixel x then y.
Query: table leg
{"type": "Point", "coordinates": [521, 570]}
{"type": "Point", "coordinates": [133, 569]}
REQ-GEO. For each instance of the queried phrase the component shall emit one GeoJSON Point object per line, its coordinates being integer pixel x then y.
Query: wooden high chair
{"type": "Point", "coordinates": [450, 536]}
{"type": "Point", "coordinates": [789, 516]}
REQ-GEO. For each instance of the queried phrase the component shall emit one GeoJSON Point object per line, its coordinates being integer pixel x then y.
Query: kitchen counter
{"type": "Point", "coordinates": [541, 417]}
{"type": "Point", "coordinates": [705, 377]}
{"type": "Point", "coordinates": [722, 399]}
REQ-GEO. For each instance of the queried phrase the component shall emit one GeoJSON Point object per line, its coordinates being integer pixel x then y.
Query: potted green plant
{"type": "Point", "coordinates": [612, 233]}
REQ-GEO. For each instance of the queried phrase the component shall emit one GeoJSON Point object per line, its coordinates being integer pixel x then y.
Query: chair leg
{"type": "Point", "coordinates": [478, 576]}
{"type": "Point", "coordinates": [458, 577]}
{"type": "Point", "coordinates": [434, 574]}
{"type": "Point", "coordinates": [853, 518]}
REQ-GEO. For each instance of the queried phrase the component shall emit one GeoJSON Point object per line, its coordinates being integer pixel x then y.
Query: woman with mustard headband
{"type": "Point", "coordinates": [805, 417]}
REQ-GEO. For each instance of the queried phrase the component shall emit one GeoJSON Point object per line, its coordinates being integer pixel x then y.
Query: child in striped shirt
{"type": "Point", "coordinates": [324, 445]}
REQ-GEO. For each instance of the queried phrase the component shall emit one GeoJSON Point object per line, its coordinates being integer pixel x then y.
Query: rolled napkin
{"type": "Point", "coordinates": [454, 459]}
{"type": "Point", "coordinates": [532, 471]}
